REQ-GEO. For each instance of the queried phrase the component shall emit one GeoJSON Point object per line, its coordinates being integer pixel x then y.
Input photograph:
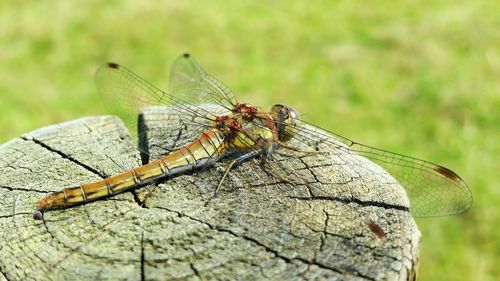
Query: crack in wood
{"type": "Point", "coordinates": [138, 200]}
{"type": "Point", "coordinates": [22, 189]}
{"type": "Point", "coordinates": [65, 156]}
{"type": "Point", "coordinates": [191, 265]}
{"type": "Point", "coordinates": [268, 249]}
{"type": "Point", "coordinates": [354, 200]}
{"type": "Point", "coordinates": [77, 249]}
{"type": "Point", "coordinates": [4, 275]}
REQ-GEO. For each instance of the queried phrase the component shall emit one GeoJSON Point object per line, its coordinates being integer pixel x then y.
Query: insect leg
{"type": "Point", "coordinates": [236, 161]}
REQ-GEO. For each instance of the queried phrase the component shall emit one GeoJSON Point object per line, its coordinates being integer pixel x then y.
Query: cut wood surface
{"type": "Point", "coordinates": [348, 221]}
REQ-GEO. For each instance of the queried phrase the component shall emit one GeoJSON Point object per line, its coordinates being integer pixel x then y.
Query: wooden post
{"type": "Point", "coordinates": [348, 221]}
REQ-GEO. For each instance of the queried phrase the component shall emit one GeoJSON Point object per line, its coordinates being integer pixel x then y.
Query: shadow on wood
{"type": "Point", "coordinates": [259, 226]}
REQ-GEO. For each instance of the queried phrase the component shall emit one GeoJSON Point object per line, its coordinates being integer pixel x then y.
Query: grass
{"type": "Point", "coordinates": [421, 79]}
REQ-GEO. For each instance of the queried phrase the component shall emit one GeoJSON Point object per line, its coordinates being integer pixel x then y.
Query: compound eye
{"type": "Point", "coordinates": [285, 118]}
{"type": "Point", "coordinates": [279, 112]}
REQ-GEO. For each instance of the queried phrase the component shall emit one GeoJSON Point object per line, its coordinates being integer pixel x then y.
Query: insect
{"type": "Point", "coordinates": [242, 131]}
{"type": "Point", "coordinates": [376, 229]}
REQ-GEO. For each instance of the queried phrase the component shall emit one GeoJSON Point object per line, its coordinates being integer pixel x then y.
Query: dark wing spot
{"type": "Point", "coordinates": [375, 228]}
{"type": "Point", "coordinates": [447, 173]}
{"type": "Point", "coordinates": [186, 55]}
{"type": "Point", "coordinates": [38, 215]}
{"type": "Point", "coordinates": [113, 65]}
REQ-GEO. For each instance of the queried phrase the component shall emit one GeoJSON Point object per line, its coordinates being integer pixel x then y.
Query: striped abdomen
{"type": "Point", "coordinates": [205, 149]}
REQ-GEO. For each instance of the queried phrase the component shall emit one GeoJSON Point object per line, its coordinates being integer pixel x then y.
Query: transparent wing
{"type": "Point", "coordinates": [433, 189]}
{"type": "Point", "coordinates": [126, 94]}
{"type": "Point", "coordinates": [191, 83]}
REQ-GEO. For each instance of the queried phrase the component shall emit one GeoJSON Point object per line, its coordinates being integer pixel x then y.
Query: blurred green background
{"type": "Point", "coordinates": [418, 78]}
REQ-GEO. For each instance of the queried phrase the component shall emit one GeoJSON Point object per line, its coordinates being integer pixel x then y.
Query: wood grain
{"type": "Point", "coordinates": [258, 227]}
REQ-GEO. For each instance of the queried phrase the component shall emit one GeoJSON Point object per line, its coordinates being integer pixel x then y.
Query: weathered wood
{"type": "Point", "coordinates": [255, 228]}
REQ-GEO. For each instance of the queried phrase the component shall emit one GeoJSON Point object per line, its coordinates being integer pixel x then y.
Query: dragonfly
{"type": "Point", "coordinates": [240, 131]}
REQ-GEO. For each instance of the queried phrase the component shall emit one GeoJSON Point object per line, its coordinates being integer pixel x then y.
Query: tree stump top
{"type": "Point", "coordinates": [349, 222]}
